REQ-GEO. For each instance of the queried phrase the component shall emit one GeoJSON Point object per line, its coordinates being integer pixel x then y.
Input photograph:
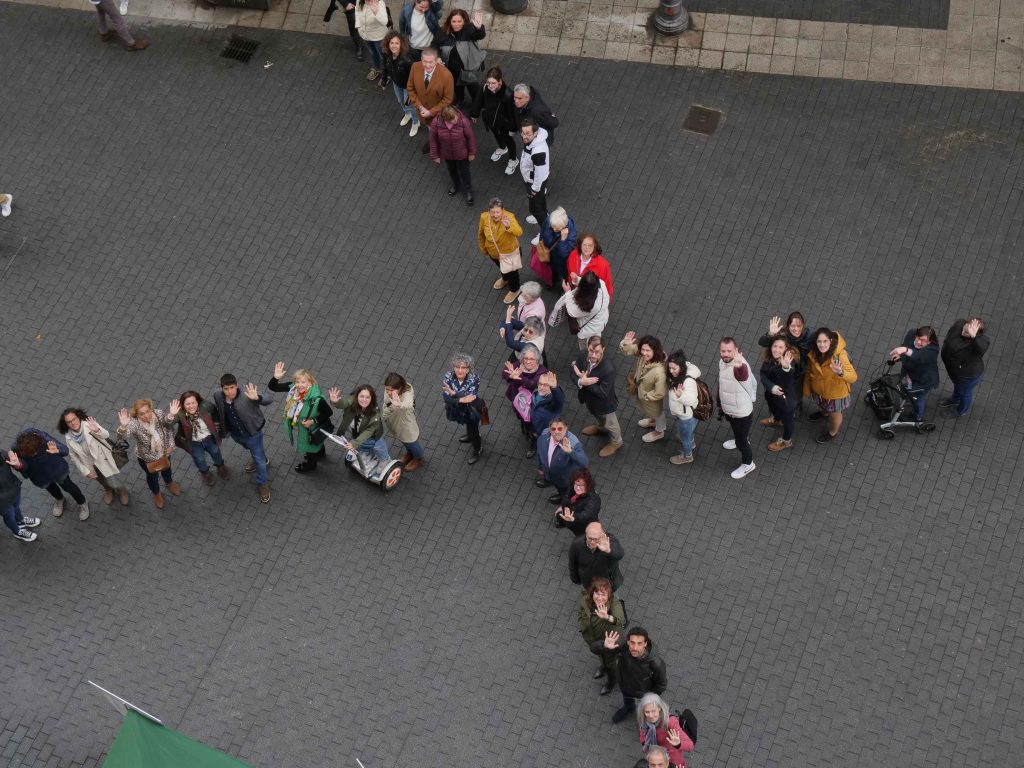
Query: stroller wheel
{"type": "Point", "coordinates": [887, 434]}
{"type": "Point", "coordinates": [925, 426]}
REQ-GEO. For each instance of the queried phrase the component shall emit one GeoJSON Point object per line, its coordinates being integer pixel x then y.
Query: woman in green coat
{"type": "Point", "coordinates": [362, 418]}
{"type": "Point", "coordinates": [601, 612]}
{"type": "Point", "coordinates": [305, 413]}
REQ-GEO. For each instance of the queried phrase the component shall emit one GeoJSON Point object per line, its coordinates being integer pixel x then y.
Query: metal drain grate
{"type": "Point", "coordinates": [702, 120]}
{"type": "Point", "coordinates": [239, 48]}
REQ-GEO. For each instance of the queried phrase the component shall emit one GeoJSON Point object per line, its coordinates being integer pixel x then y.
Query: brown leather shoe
{"type": "Point", "coordinates": [405, 458]}
{"type": "Point", "coordinates": [174, 488]}
{"type": "Point", "coordinates": [107, 36]}
{"type": "Point", "coordinates": [413, 465]}
{"type": "Point", "coordinates": [609, 450]}
{"type": "Point", "coordinates": [593, 429]}
{"type": "Point", "coordinates": [264, 490]}
{"type": "Point", "coordinates": [779, 445]}
{"type": "Point", "coordinates": [108, 496]}
{"type": "Point", "coordinates": [222, 470]}
{"type": "Point", "coordinates": [158, 501]}
{"type": "Point", "coordinates": [123, 493]}
{"type": "Point", "coordinates": [207, 478]}
{"type": "Point", "coordinates": [139, 45]}
{"type": "Point", "coordinates": [771, 421]}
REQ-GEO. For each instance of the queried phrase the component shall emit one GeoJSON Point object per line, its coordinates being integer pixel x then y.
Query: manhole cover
{"type": "Point", "coordinates": [702, 120]}
{"type": "Point", "coordinates": [239, 48]}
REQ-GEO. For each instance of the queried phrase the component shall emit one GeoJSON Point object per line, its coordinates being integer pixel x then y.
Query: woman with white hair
{"type": "Point", "coordinates": [520, 333]}
{"type": "Point", "coordinates": [530, 302]}
{"type": "Point", "coordinates": [660, 729]}
{"type": "Point", "coordinates": [462, 402]}
{"type": "Point", "coordinates": [558, 234]}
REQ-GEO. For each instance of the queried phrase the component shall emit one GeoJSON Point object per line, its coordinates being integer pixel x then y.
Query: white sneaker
{"type": "Point", "coordinates": [510, 168]}
{"type": "Point", "coordinates": [83, 511]}
{"type": "Point", "coordinates": [406, 120]}
{"type": "Point", "coordinates": [743, 470]}
{"type": "Point", "coordinates": [5, 208]}
{"type": "Point", "coordinates": [531, 219]}
{"type": "Point", "coordinates": [58, 507]}
{"type": "Point", "coordinates": [496, 155]}
{"type": "Point", "coordinates": [415, 129]}
{"type": "Point", "coordinates": [124, 7]}
{"type": "Point", "coordinates": [31, 522]}
{"type": "Point", "coordinates": [729, 445]}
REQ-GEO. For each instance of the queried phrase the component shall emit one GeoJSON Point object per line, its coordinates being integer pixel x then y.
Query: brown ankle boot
{"type": "Point", "coordinates": [158, 501]}
{"type": "Point", "coordinates": [174, 488]}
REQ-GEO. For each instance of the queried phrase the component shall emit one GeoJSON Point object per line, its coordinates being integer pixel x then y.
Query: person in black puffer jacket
{"type": "Point", "coordinates": [494, 105]}
{"type": "Point", "coordinates": [584, 505]}
{"type": "Point", "coordinates": [640, 669]}
{"type": "Point", "coordinates": [962, 351]}
{"type": "Point", "coordinates": [397, 61]}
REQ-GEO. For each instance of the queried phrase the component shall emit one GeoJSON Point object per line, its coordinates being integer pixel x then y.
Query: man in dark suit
{"type": "Point", "coordinates": [431, 88]}
{"type": "Point", "coordinates": [559, 454]}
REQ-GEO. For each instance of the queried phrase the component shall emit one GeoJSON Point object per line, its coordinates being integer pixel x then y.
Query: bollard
{"type": "Point", "coordinates": [671, 18]}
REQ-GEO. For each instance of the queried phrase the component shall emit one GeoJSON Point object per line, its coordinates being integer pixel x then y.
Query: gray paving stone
{"type": "Point", "coordinates": [842, 605]}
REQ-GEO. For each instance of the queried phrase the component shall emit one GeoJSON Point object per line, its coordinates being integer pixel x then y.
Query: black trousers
{"type": "Point", "coordinates": [67, 484]}
{"type": "Point", "coordinates": [741, 434]}
{"type": "Point", "coordinates": [538, 204]}
{"type": "Point", "coordinates": [504, 141]}
{"type": "Point", "coordinates": [458, 170]}
{"type": "Point", "coordinates": [473, 433]}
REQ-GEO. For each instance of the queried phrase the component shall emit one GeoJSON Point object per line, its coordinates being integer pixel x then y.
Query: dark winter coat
{"type": "Point", "coordinates": [250, 412]}
{"type": "Point", "coordinates": [452, 142]}
{"type": "Point", "coordinates": [497, 111]}
{"type": "Point", "coordinates": [526, 381]}
{"type": "Point", "coordinates": [544, 409]}
{"type": "Point", "coordinates": [468, 33]}
{"type": "Point", "coordinates": [803, 342]}
{"type": "Point", "coordinates": [586, 509]}
{"type": "Point", "coordinates": [962, 356]}
{"type": "Point", "coordinates": [10, 485]}
{"type": "Point", "coordinates": [44, 468]}
{"type": "Point", "coordinates": [637, 676]}
{"type": "Point", "coordinates": [586, 565]}
{"type": "Point", "coordinates": [539, 111]}
{"type": "Point", "coordinates": [396, 70]}
{"type": "Point", "coordinates": [773, 375]}
{"type": "Point", "coordinates": [922, 365]}
{"type": "Point", "coordinates": [600, 398]}
{"type": "Point", "coordinates": [560, 249]}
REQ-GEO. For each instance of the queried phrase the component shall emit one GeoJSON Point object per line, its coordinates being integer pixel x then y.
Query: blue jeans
{"type": "Point", "coordinates": [373, 46]}
{"type": "Point", "coordinates": [254, 445]}
{"type": "Point", "coordinates": [415, 449]}
{"type": "Point", "coordinates": [12, 513]}
{"type": "Point", "coordinates": [685, 428]}
{"type": "Point", "coordinates": [963, 394]}
{"type": "Point", "coordinates": [152, 477]}
{"type": "Point", "coordinates": [403, 101]}
{"type": "Point", "coordinates": [378, 448]}
{"type": "Point", "coordinates": [920, 400]}
{"type": "Point", "coordinates": [198, 449]}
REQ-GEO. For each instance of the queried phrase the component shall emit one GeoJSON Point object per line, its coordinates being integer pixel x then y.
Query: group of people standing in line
{"type": "Point", "coordinates": [434, 65]}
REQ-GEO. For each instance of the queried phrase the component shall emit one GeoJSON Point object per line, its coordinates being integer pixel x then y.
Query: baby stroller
{"type": "Point", "coordinates": [893, 403]}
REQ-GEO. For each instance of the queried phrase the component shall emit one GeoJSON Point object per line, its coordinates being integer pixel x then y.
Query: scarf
{"type": "Point", "coordinates": [156, 440]}
{"type": "Point", "coordinates": [650, 735]}
{"type": "Point", "coordinates": [293, 405]}
{"type": "Point", "coordinates": [78, 437]}
{"type": "Point", "coordinates": [194, 422]}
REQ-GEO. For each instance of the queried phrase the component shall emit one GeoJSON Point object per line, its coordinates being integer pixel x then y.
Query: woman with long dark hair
{"type": "Point", "coordinates": [830, 376]}
{"type": "Point", "coordinates": [649, 381]}
{"type": "Point", "coordinates": [495, 107]}
{"type": "Point", "coordinates": [781, 377]}
{"type": "Point", "coordinates": [683, 397]}
{"type": "Point", "coordinates": [586, 306]}
{"type": "Point", "coordinates": [195, 430]}
{"type": "Point", "coordinates": [400, 419]}
{"type": "Point", "coordinates": [360, 412]}
{"type": "Point", "coordinates": [458, 41]}
{"type": "Point", "coordinates": [92, 454]}
{"type": "Point", "coordinates": [396, 59]}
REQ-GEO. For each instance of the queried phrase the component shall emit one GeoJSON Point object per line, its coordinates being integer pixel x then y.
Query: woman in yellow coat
{"type": "Point", "coordinates": [498, 237]}
{"type": "Point", "coordinates": [829, 378]}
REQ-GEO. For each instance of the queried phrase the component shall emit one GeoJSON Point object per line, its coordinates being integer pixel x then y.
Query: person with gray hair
{"type": "Point", "coordinates": [519, 334]}
{"type": "Point", "coordinates": [521, 377]}
{"type": "Point", "coordinates": [530, 302]}
{"type": "Point", "coordinates": [656, 758]}
{"type": "Point", "coordinates": [529, 104]}
{"type": "Point", "coordinates": [558, 233]}
{"type": "Point", "coordinates": [462, 402]}
{"type": "Point", "coordinates": [661, 731]}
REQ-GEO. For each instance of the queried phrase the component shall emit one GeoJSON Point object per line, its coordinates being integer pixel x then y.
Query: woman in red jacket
{"type": "Point", "coordinates": [452, 140]}
{"type": "Point", "coordinates": [661, 729]}
{"type": "Point", "coordinates": [589, 257]}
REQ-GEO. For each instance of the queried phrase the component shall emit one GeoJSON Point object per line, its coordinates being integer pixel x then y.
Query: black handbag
{"type": "Point", "coordinates": [118, 450]}
{"type": "Point", "coordinates": [318, 434]}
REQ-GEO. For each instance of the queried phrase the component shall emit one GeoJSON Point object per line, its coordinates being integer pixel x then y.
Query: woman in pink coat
{"type": "Point", "coordinates": [452, 140]}
{"type": "Point", "coordinates": [659, 728]}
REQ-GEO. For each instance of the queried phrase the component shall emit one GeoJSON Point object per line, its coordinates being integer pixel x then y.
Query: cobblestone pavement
{"type": "Point", "coordinates": [975, 43]}
{"type": "Point", "coordinates": [178, 215]}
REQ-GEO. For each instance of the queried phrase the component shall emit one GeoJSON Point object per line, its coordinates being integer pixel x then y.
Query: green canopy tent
{"type": "Point", "coordinates": [144, 742]}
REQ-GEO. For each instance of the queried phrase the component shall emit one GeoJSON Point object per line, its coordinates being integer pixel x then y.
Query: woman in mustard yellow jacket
{"type": "Point", "coordinates": [829, 378]}
{"type": "Point", "coordinates": [498, 237]}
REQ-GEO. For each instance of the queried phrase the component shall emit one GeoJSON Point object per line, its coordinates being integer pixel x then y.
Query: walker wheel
{"type": "Point", "coordinates": [391, 478]}
{"type": "Point", "coordinates": [887, 434]}
{"type": "Point", "coordinates": [926, 426]}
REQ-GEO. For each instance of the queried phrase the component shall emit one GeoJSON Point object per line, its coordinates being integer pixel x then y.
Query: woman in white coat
{"type": "Point", "coordinates": [586, 306]}
{"type": "Point", "coordinates": [90, 450]}
{"type": "Point", "coordinates": [682, 399]}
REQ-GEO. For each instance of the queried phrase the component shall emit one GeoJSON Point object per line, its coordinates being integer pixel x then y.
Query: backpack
{"type": "Point", "coordinates": [705, 405]}
{"type": "Point", "coordinates": [688, 722]}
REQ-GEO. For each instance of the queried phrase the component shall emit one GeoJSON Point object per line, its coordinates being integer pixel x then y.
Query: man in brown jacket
{"type": "Point", "coordinates": [431, 88]}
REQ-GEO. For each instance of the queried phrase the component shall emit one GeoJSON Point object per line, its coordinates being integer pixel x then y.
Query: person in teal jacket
{"type": "Point", "coordinates": [306, 412]}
